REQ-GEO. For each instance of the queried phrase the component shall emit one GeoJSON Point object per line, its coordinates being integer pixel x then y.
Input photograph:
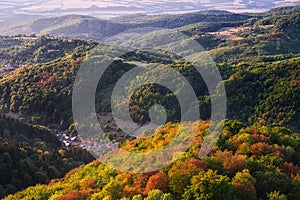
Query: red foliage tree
{"type": "Point", "coordinates": [256, 137]}
{"type": "Point", "coordinates": [198, 164]}
{"type": "Point", "coordinates": [261, 148]}
{"type": "Point", "coordinates": [232, 163]}
{"type": "Point", "coordinates": [290, 169]}
{"type": "Point", "coordinates": [74, 195]}
{"type": "Point", "coordinates": [138, 186]}
{"type": "Point", "coordinates": [89, 184]}
{"type": "Point", "coordinates": [158, 181]}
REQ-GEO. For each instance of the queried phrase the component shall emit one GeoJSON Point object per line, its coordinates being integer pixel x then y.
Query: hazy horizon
{"type": "Point", "coordinates": [17, 10]}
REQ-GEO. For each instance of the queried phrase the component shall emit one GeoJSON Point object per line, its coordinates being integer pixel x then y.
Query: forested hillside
{"type": "Point", "coordinates": [43, 90]}
{"type": "Point", "coordinates": [38, 136]}
{"type": "Point", "coordinates": [28, 50]}
{"type": "Point", "coordinates": [267, 91]}
{"type": "Point", "coordinates": [257, 156]}
{"type": "Point", "coordinates": [85, 27]}
{"type": "Point", "coordinates": [32, 154]}
{"type": "Point", "coordinates": [256, 162]}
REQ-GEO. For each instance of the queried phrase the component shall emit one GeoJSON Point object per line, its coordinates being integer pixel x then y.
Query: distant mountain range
{"type": "Point", "coordinates": [77, 26]}
{"type": "Point", "coordinates": [87, 27]}
{"type": "Point", "coordinates": [20, 10]}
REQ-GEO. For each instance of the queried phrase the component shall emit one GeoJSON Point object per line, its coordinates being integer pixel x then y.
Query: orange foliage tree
{"type": "Point", "coordinates": [158, 181]}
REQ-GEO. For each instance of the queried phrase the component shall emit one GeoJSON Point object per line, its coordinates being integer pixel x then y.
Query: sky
{"type": "Point", "coordinates": [110, 8]}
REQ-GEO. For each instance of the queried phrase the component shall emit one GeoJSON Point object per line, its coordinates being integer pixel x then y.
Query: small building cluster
{"type": "Point", "coordinates": [76, 141]}
{"type": "Point", "coordinates": [10, 67]}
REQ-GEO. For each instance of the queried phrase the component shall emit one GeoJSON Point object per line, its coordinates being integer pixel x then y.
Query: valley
{"type": "Point", "coordinates": [257, 155]}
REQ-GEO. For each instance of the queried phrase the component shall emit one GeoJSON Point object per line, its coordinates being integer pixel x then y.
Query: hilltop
{"type": "Point", "coordinates": [86, 27]}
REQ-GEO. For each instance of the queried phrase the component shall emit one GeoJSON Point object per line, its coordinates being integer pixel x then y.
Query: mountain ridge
{"type": "Point", "coordinates": [87, 27]}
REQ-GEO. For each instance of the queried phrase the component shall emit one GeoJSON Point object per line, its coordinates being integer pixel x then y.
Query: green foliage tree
{"type": "Point", "coordinates": [276, 196]}
{"type": "Point", "coordinates": [270, 181]}
{"type": "Point", "coordinates": [154, 195]}
{"type": "Point", "coordinates": [180, 177]}
{"type": "Point", "coordinates": [137, 197]}
{"type": "Point", "coordinates": [243, 185]}
{"type": "Point", "coordinates": [113, 189]}
{"type": "Point", "coordinates": [209, 186]}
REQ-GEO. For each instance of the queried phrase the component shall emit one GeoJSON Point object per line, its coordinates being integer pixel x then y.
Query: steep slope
{"type": "Point", "coordinates": [28, 50]}
{"type": "Point", "coordinates": [38, 136]}
{"type": "Point", "coordinates": [264, 159]}
{"type": "Point", "coordinates": [286, 20]}
{"type": "Point", "coordinates": [266, 91]}
{"type": "Point", "coordinates": [42, 91]}
{"type": "Point", "coordinates": [31, 154]}
{"type": "Point", "coordinates": [252, 84]}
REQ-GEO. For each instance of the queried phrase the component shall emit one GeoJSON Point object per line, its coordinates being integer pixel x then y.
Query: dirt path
{"type": "Point", "coordinates": [230, 33]}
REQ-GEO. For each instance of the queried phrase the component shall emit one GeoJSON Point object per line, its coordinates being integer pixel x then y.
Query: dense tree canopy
{"type": "Point", "coordinates": [262, 174]}
{"type": "Point", "coordinates": [256, 157]}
